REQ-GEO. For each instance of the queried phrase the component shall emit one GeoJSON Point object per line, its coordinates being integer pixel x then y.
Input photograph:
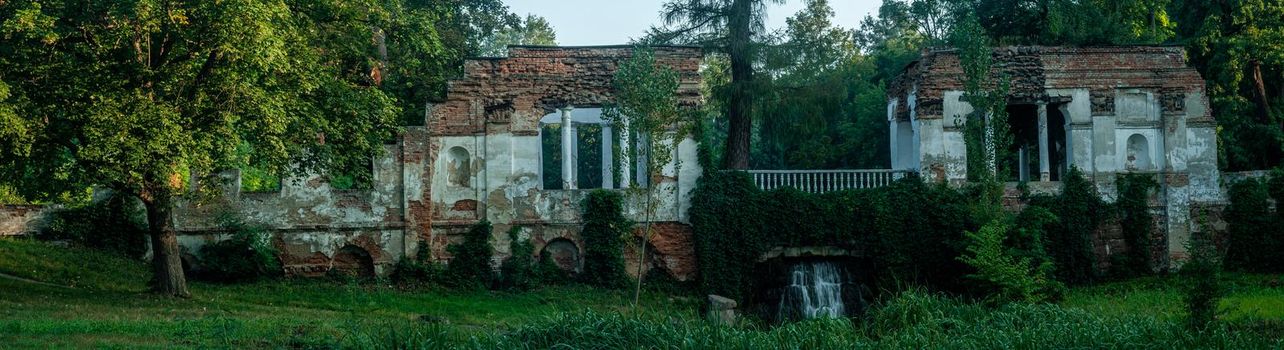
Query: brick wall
{"type": "Point", "coordinates": [21, 219]}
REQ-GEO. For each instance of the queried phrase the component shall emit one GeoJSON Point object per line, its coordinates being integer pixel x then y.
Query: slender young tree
{"type": "Point", "coordinates": [646, 104]}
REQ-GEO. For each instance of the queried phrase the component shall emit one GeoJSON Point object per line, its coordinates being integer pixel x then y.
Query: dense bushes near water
{"type": "Point", "coordinates": [911, 230]}
{"type": "Point", "coordinates": [922, 234]}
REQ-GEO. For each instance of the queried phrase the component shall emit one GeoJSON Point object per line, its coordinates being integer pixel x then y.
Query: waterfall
{"type": "Point", "coordinates": [815, 290]}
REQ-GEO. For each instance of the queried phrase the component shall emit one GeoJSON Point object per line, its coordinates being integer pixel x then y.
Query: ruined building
{"type": "Point", "coordinates": [519, 141]}
{"type": "Point", "coordinates": [1104, 110]}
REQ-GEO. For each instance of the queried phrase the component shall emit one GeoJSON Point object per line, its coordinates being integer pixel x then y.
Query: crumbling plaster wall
{"type": "Point", "coordinates": [493, 115]}
{"type": "Point", "coordinates": [310, 221]}
{"type": "Point", "coordinates": [477, 157]}
{"type": "Point", "coordinates": [1107, 94]}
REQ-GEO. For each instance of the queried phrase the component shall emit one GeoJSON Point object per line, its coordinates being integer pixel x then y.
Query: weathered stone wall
{"type": "Point", "coordinates": [21, 219]}
{"type": "Point", "coordinates": [1109, 96]}
{"type": "Point", "coordinates": [477, 157]}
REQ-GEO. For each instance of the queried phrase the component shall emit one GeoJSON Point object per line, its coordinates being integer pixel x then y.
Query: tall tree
{"type": "Point", "coordinates": [137, 96]}
{"type": "Point", "coordinates": [732, 27]}
{"type": "Point", "coordinates": [534, 30]}
{"type": "Point", "coordinates": [1238, 45]}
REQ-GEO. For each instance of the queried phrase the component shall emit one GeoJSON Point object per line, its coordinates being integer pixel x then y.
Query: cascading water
{"type": "Point", "coordinates": [815, 290]}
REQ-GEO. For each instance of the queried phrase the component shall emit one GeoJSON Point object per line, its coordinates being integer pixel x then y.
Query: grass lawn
{"type": "Point", "coordinates": [108, 309]}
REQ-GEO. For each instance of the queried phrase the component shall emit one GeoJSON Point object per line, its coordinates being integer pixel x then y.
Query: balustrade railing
{"type": "Point", "coordinates": [819, 181]}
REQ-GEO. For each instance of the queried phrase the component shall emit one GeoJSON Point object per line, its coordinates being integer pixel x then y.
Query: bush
{"type": "Point", "coordinates": [1136, 223]}
{"type": "Point", "coordinates": [912, 231]}
{"type": "Point", "coordinates": [604, 230]}
{"type": "Point", "coordinates": [1254, 242]}
{"type": "Point", "coordinates": [246, 256]}
{"type": "Point", "coordinates": [416, 272]}
{"type": "Point", "coordinates": [1007, 273]}
{"type": "Point", "coordinates": [115, 224]}
{"type": "Point", "coordinates": [470, 265]}
{"type": "Point", "coordinates": [1080, 211]}
{"type": "Point", "coordinates": [519, 271]}
{"type": "Point", "coordinates": [1203, 288]}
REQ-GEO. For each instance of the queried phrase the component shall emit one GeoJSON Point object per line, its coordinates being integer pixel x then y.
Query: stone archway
{"type": "Point", "coordinates": [564, 253]}
{"type": "Point", "coordinates": [353, 261]}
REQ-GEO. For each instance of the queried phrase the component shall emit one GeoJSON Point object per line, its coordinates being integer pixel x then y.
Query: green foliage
{"type": "Point", "coordinates": [734, 223]}
{"type": "Point", "coordinates": [1080, 211]}
{"type": "Point", "coordinates": [247, 255]}
{"type": "Point", "coordinates": [470, 263]}
{"type": "Point", "coordinates": [605, 229]}
{"type": "Point", "coordinates": [1007, 274]}
{"type": "Point", "coordinates": [114, 224]}
{"type": "Point", "coordinates": [520, 271]}
{"type": "Point", "coordinates": [1136, 223]}
{"type": "Point", "coordinates": [416, 272]}
{"type": "Point", "coordinates": [533, 30]}
{"type": "Point", "coordinates": [1253, 233]}
{"type": "Point", "coordinates": [986, 130]}
{"type": "Point", "coordinates": [1203, 288]}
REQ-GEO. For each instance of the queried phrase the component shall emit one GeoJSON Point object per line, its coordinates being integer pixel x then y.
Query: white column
{"type": "Point", "coordinates": [1044, 147]}
{"type": "Point", "coordinates": [608, 178]}
{"type": "Point", "coordinates": [626, 156]}
{"type": "Point", "coordinates": [568, 147]}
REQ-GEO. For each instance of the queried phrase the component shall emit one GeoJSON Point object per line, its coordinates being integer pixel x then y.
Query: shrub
{"type": "Point", "coordinates": [604, 230]}
{"type": "Point", "coordinates": [1136, 223]}
{"type": "Point", "coordinates": [1080, 211]}
{"type": "Point", "coordinates": [1203, 286]}
{"type": "Point", "coordinates": [1252, 232]}
{"type": "Point", "coordinates": [470, 265]}
{"type": "Point", "coordinates": [246, 256]}
{"type": "Point", "coordinates": [912, 231]}
{"type": "Point", "coordinates": [519, 271]}
{"type": "Point", "coordinates": [1007, 273]}
{"type": "Point", "coordinates": [416, 272]}
{"type": "Point", "coordinates": [115, 224]}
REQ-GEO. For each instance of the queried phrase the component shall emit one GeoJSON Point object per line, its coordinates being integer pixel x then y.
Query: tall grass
{"type": "Point", "coordinates": [914, 320]}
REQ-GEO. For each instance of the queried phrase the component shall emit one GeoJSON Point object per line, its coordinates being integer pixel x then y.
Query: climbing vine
{"type": "Point", "coordinates": [911, 231]}
{"type": "Point", "coordinates": [1136, 223]}
{"type": "Point", "coordinates": [604, 230]}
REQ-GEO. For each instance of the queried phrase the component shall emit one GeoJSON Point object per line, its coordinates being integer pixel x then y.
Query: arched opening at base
{"type": "Point", "coordinates": [353, 261]}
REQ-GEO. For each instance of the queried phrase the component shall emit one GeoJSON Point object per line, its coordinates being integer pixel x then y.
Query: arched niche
{"type": "Point", "coordinates": [1139, 153]}
{"type": "Point", "coordinates": [458, 167]}
{"type": "Point", "coordinates": [353, 261]}
{"type": "Point", "coordinates": [564, 253]}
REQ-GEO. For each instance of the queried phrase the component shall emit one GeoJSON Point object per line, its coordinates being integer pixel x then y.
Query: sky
{"type": "Point", "coordinates": [611, 22]}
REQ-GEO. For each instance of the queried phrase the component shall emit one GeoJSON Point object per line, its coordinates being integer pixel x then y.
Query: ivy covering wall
{"type": "Point", "coordinates": [910, 230]}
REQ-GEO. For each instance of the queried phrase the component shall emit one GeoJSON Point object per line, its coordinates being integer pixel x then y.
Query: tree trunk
{"type": "Point", "coordinates": [1259, 93]}
{"type": "Point", "coordinates": [737, 151]}
{"type": "Point", "coordinates": [167, 265]}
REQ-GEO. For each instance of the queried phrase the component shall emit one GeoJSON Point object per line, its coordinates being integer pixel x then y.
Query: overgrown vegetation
{"type": "Point", "coordinates": [1203, 288]}
{"type": "Point", "coordinates": [604, 232]}
{"type": "Point", "coordinates": [114, 224]}
{"type": "Point", "coordinates": [1079, 211]}
{"type": "Point", "coordinates": [1136, 223]}
{"type": "Point", "coordinates": [1255, 238]}
{"type": "Point", "coordinates": [734, 223]}
{"type": "Point", "coordinates": [246, 255]}
{"type": "Point", "coordinates": [470, 264]}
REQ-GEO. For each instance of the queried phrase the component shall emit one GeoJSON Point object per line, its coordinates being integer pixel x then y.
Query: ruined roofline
{"type": "Point", "coordinates": [553, 48]}
{"type": "Point", "coordinates": [937, 50]}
